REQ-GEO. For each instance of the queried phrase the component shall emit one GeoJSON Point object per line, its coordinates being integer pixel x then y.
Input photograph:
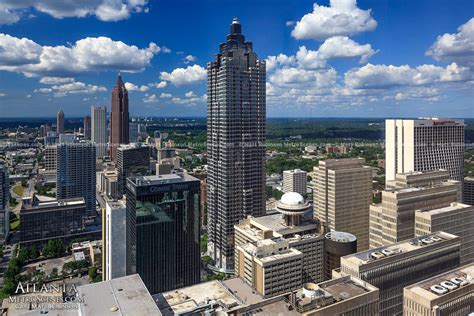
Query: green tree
{"type": "Point", "coordinates": [92, 273]}
{"type": "Point", "coordinates": [203, 243]}
{"type": "Point", "coordinates": [23, 254]}
{"type": "Point", "coordinates": [34, 252]}
{"type": "Point", "coordinates": [54, 248]}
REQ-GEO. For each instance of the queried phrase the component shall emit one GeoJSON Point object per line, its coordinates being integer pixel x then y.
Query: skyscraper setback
{"type": "Point", "coordinates": [236, 142]}
{"type": "Point", "coordinates": [118, 117]}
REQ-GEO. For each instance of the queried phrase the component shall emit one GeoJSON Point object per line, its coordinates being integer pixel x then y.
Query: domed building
{"type": "Point", "coordinates": [293, 206]}
{"type": "Point", "coordinates": [292, 221]}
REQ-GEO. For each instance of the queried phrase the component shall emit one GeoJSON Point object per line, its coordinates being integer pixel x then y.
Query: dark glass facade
{"type": "Point", "coordinates": [163, 231]}
{"type": "Point", "coordinates": [52, 220]}
{"type": "Point", "coordinates": [76, 176]}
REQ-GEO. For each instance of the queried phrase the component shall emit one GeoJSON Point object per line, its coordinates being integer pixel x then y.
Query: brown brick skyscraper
{"type": "Point", "coordinates": [118, 117]}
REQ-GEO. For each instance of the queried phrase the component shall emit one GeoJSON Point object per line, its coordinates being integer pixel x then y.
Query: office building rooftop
{"type": "Point", "coordinates": [448, 282]}
{"type": "Point", "coordinates": [121, 296]}
{"type": "Point", "coordinates": [196, 298]}
{"type": "Point", "coordinates": [313, 297]}
{"type": "Point", "coordinates": [453, 207]}
{"type": "Point", "coordinates": [161, 179]}
{"type": "Point", "coordinates": [398, 249]}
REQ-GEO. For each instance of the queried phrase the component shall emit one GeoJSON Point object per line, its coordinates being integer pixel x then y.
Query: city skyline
{"type": "Point", "coordinates": [387, 64]}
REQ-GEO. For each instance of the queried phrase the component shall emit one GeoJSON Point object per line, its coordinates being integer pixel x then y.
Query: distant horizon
{"type": "Point", "coordinates": [271, 117]}
{"type": "Point", "coordinates": [324, 58]}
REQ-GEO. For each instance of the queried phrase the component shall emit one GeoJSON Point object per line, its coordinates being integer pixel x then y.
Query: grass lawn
{"type": "Point", "coordinates": [18, 189]}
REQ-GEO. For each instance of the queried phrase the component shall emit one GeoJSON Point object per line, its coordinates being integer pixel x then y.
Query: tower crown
{"type": "Point", "coordinates": [235, 27]}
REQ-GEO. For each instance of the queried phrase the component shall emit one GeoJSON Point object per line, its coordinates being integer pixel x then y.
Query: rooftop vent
{"type": "Point", "coordinates": [459, 281]}
{"type": "Point", "coordinates": [388, 252]}
{"type": "Point", "coordinates": [438, 289]}
{"type": "Point", "coordinates": [427, 241]}
{"type": "Point", "coordinates": [377, 255]}
{"type": "Point", "coordinates": [449, 285]}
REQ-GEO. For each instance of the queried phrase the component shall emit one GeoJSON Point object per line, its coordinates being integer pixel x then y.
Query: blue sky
{"type": "Point", "coordinates": [341, 58]}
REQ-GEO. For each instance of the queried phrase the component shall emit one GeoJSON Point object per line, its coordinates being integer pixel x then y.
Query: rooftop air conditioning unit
{"type": "Point", "coordinates": [459, 281]}
{"type": "Point", "coordinates": [449, 285]}
{"type": "Point", "coordinates": [377, 255]}
{"type": "Point", "coordinates": [438, 289]}
{"type": "Point", "coordinates": [427, 241]}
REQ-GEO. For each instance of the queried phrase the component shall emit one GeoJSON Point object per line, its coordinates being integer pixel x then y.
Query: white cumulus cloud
{"type": "Point", "coordinates": [150, 98]}
{"type": "Point", "coordinates": [388, 76]}
{"type": "Point", "coordinates": [160, 85]}
{"type": "Point", "coordinates": [190, 94]}
{"type": "Point", "coordinates": [189, 59]}
{"type": "Point", "coordinates": [133, 87]}
{"type": "Point", "coordinates": [86, 55]}
{"type": "Point", "coordinates": [342, 17]}
{"type": "Point", "coordinates": [56, 80]}
{"type": "Point", "coordinates": [11, 11]}
{"type": "Point", "coordinates": [166, 95]}
{"type": "Point", "coordinates": [458, 47]}
{"type": "Point", "coordinates": [184, 76]}
{"type": "Point", "coordinates": [74, 87]}
{"type": "Point", "coordinates": [344, 47]}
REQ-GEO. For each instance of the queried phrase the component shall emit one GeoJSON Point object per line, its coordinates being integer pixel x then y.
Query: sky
{"type": "Point", "coordinates": [338, 58]}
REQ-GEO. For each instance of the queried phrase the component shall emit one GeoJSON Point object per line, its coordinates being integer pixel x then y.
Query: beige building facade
{"type": "Point", "coordinates": [456, 219]}
{"type": "Point", "coordinates": [293, 223]}
{"type": "Point", "coordinates": [393, 220]}
{"type": "Point", "coordinates": [270, 266]}
{"type": "Point", "coordinates": [342, 196]}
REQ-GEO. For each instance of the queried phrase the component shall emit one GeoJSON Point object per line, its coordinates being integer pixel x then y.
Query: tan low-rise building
{"type": "Point", "coordinates": [270, 266]}
{"type": "Point", "coordinates": [447, 294]}
{"type": "Point", "coordinates": [294, 223]}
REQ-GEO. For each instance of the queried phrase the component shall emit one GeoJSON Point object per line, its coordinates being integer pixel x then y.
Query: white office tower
{"type": "Point", "coordinates": [294, 181]}
{"type": "Point", "coordinates": [114, 240]}
{"type": "Point", "coordinates": [99, 130]}
{"type": "Point", "coordinates": [423, 145]}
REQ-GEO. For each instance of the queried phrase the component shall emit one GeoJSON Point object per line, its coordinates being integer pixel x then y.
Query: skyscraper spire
{"type": "Point", "coordinates": [118, 116]}
{"type": "Point", "coordinates": [235, 27]}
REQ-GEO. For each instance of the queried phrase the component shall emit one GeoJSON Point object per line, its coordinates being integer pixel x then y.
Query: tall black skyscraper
{"type": "Point", "coordinates": [163, 231]}
{"type": "Point", "coordinates": [235, 142]}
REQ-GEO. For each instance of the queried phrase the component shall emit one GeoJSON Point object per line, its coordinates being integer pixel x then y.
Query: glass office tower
{"type": "Point", "coordinates": [163, 231]}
